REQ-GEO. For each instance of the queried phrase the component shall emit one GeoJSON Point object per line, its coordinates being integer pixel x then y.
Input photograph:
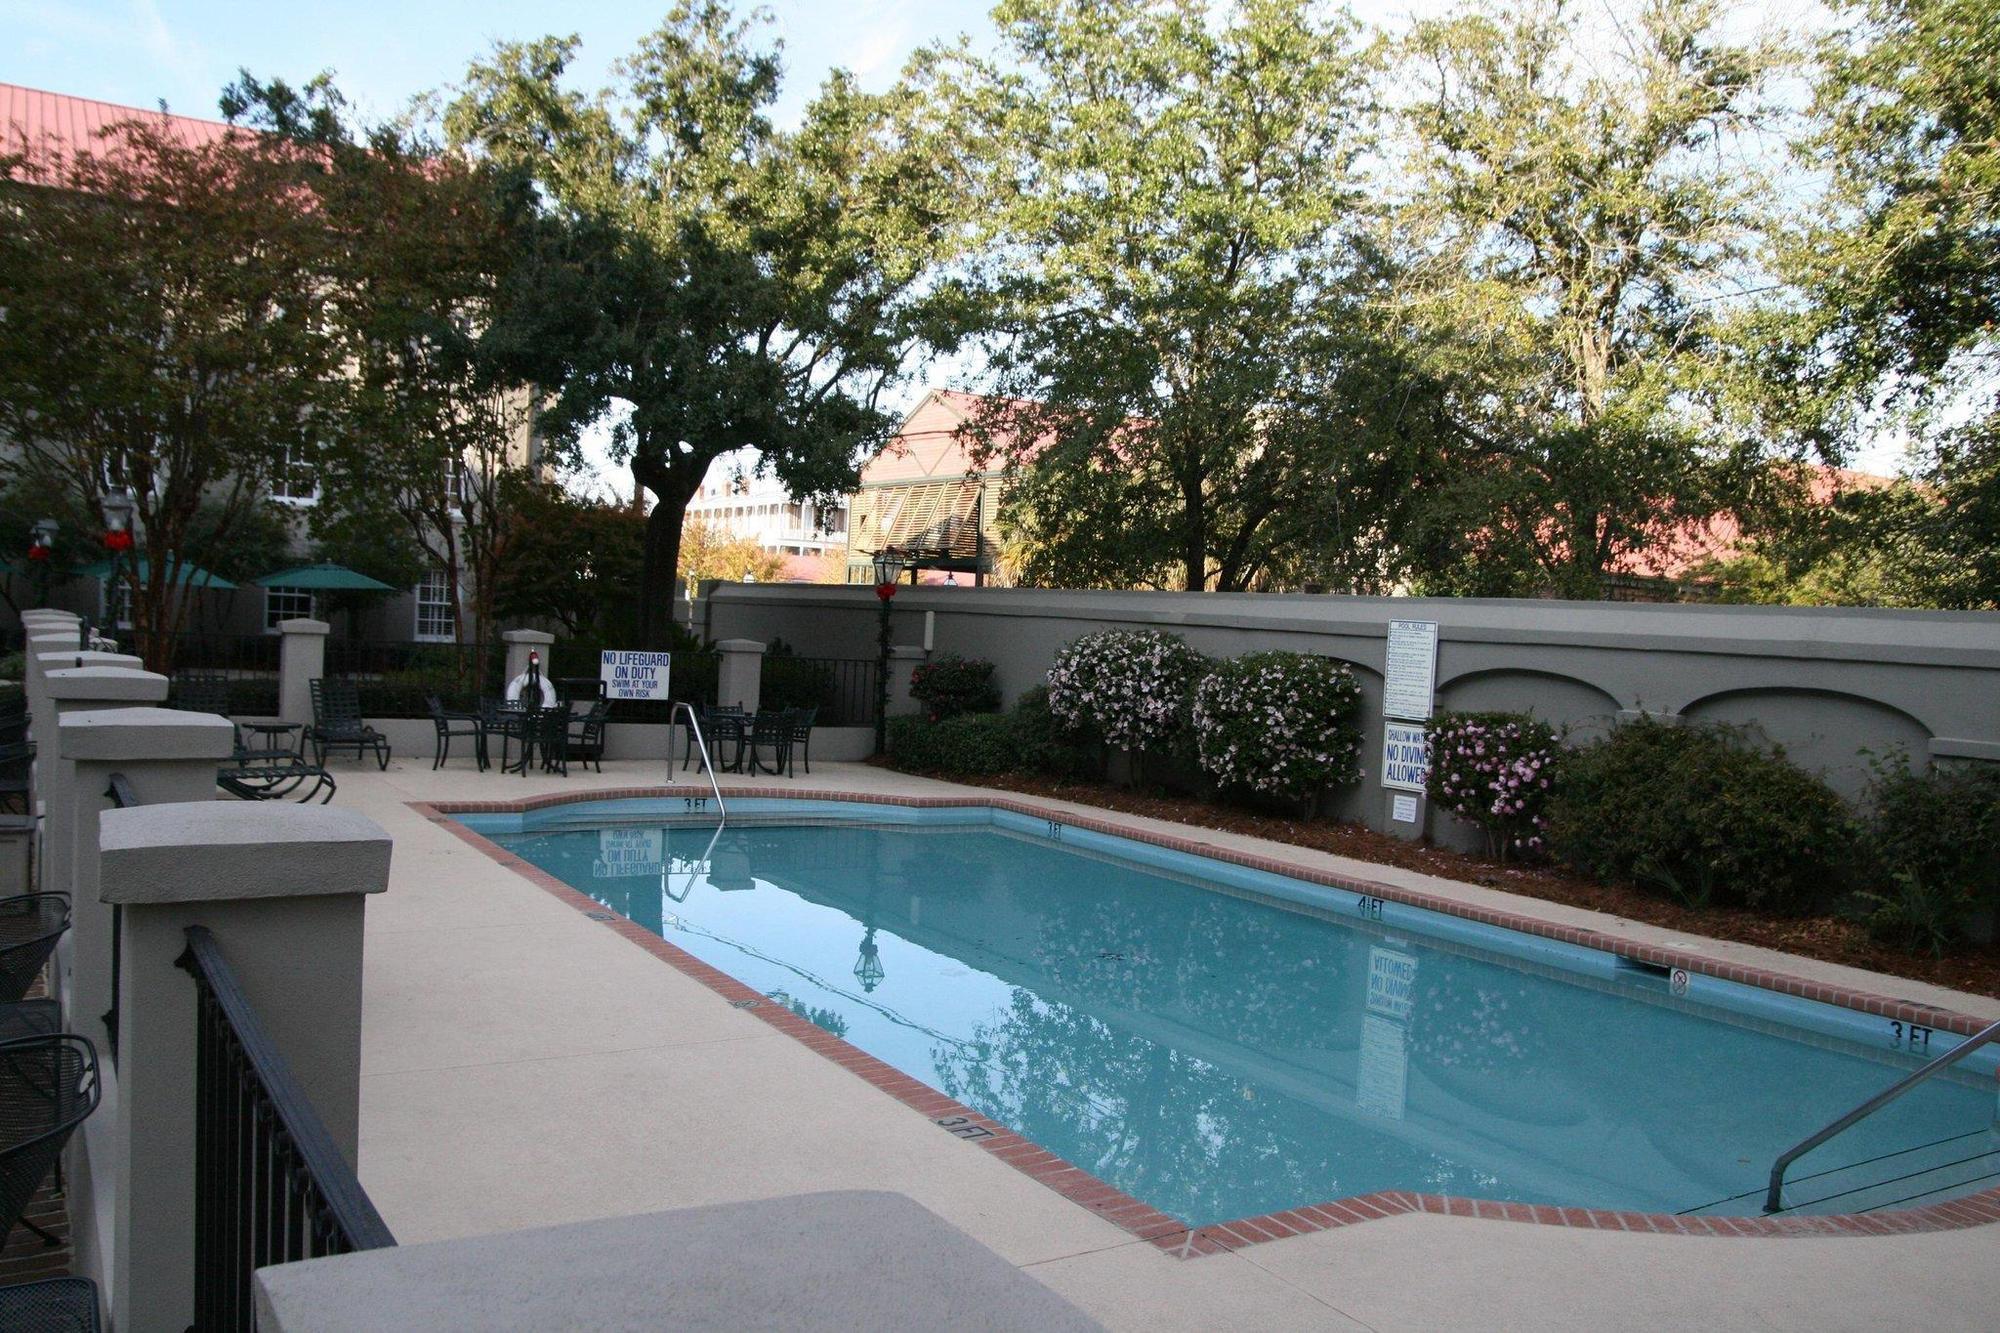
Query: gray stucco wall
{"type": "Point", "coordinates": [1829, 685]}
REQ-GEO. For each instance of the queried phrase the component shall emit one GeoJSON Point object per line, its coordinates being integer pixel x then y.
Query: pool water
{"type": "Point", "coordinates": [1223, 1043]}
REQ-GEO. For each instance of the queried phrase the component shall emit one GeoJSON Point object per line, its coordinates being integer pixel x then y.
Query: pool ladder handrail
{"type": "Point", "coordinates": [1773, 1197]}
{"type": "Point", "coordinates": [708, 766]}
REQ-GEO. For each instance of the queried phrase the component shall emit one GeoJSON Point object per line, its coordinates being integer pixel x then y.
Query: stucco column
{"type": "Point", "coordinates": [301, 661]}
{"type": "Point", "coordinates": [167, 756]}
{"type": "Point", "coordinates": [904, 659]}
{"type": "Point", "coordinates": [281, 888]}
{"type": "Point", "coordinates": [521, 642]}
{"type": "Point", "coordinates": [739, 677]}
{"type": "Point", "coordinates": [73, 690]}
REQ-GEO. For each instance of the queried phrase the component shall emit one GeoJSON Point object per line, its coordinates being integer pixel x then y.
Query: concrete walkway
{"type": "Point", "coordinates": [523, 1066]}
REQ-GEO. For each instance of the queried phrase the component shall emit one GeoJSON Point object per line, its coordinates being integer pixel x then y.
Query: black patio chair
{"type": "Point", "coordinates": [48, 1086]}
{"type": "Point", "coordinates": [548, 729]}
{"type": "Point", "coordinates": [39, 1017]}
{"type": "Point", "coordinates": [50, 1305]}
{"type": "Point", "coordinates": [802, 733]}
{"type": "Point", "coordinates": [718, 723]}
{"type": "Point", "coordinates": [337, 722]}
{"type": "Point", "coordinates": [264, 772]}
{"type": "Point", "coordinates": [586, 738]}
{"type": "Point", "coordinates": [449, 723]}
{"type": "Point", "coordinates": [30, 925]}
{"type": "Point", "coordinates": [772, 731]}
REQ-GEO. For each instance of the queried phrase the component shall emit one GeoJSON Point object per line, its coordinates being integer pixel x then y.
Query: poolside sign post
{"type": "Point", "coordinates": [1409, 690]}
{"type": "Point", "coordinates": [633, 675]}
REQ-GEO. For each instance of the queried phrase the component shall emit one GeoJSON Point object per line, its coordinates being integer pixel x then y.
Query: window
{"type": "Point", "coordinates": [456, 482]}
{"type": "Point", "coordinates": [294, 477]}
{"type": "Point", "coordinates": [434, 618]}
{"type": "Point", "coordinates": [282, 604]}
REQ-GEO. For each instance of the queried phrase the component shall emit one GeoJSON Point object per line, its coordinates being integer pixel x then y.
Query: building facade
{"type": "Point", "coordinates": [926, 496]}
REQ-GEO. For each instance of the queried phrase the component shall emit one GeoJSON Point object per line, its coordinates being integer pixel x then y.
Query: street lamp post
{"type": "Point", "coordinates": [41, 549]}
{"type": "Point", "coordinates": [118, 507]}
{"type": "Point", "coordinates": [889, 565]}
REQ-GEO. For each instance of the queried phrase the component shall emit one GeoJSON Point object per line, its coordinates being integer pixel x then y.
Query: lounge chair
{"type": "Point", "coordinates": [267, 772]}
{"type": "Point", "coordinates": [337, 722]}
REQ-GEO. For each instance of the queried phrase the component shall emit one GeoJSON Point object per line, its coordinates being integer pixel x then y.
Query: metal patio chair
{"type": "Point", "coordinates": [48, 1086]}
{"type": "Point", "coordinates": [802, 734]}
{"type": "Point", "coordinates": [772, 731]}
{"type": "Point", "coordinates": [16, 758]}
{"type": "Point", "coordinates": [39, 1017]}
{"type": "Point", "coordinates": [719, 722]}
{"type": "Point", "coordinates": [30, 925]}
{"type": "Point", "coordinates": [337, 722]}
{"type": "Point", "coordinates": [50, 1305]}
{"type": "Point", "coordinates": [586, 738]}
{"type": "Point", "coordinates": [452, 722]}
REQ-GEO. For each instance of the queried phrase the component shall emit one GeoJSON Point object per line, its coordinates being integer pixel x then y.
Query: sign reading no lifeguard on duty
{"type": "Point", "coordinates": [633, 675]}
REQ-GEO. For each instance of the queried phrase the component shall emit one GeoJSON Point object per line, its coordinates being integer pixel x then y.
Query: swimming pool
{"type": "Point", "coordinates": [1223, 1042]}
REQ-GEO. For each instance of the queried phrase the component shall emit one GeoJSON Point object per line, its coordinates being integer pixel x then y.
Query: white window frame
{"type": "Point", "coordinates": [275, 614]}
{"type": "Point", "coordinates": [440, 602]}
{"type": "Point", "coordinates": [114, 603]}
{"type": "Point", "coordinates": [286, 473]}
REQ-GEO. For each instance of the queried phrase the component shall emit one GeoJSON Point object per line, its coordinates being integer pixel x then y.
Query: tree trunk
{"type": "Point", "coordinates": [656, 577]}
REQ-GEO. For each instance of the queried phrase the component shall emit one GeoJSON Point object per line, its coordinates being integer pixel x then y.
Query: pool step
{"type": "Point", "coordinates": [1928, 1173]}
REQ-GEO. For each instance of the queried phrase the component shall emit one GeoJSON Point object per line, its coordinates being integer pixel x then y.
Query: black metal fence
{"type": "Point", "coordinates": [271, 1186]}
{"type": "Point", "coordinates": [395, 678]}
{"type": "Point", "coordinates": [249, 662]}
{"type": "Point", "coordinates": [842, 688]}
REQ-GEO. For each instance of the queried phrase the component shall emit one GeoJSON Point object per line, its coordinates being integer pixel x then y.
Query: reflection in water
{"type": "Point", "coordinates": [1218, 1057]}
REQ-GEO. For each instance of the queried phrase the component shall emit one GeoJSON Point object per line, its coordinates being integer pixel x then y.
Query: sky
{"type": "Point", "coordinates": [383, 53]}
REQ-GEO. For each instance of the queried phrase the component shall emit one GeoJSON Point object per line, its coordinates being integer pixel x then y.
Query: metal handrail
{"type": "Point", "coordinates": [707, 764]}
{"type": "Point", "coordinates": [1773, 1197]}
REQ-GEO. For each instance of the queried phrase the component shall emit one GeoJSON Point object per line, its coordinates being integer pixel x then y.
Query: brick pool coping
{"type": "Point", "coordinates": [1141, 1219]}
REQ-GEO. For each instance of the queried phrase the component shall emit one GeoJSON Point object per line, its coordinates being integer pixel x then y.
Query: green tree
{"type": "Point", "coordinates": [1175, 276]}
{"type": "Point", "coordinates": [434, 426]}
{"type": "Point", "coordinates": [728, 283]}
{"type": "Point", "coordinates": [1901, 265]}
{"type": "Point", "coordinates": [1578, 218]}
{"type": "Point", "coordinates": [569, 559]}
{"type": "Point", "coordinates": [167, 328]}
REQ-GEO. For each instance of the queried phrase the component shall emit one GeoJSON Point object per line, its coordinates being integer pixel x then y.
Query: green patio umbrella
{"type": "Point", "coordinates": [323, 577]}
{"type": "Point", "coordinates": [193, 575]}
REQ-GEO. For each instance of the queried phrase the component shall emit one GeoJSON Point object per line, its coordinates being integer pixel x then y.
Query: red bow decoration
{"type": "Point", "coordinates": [118, 541]}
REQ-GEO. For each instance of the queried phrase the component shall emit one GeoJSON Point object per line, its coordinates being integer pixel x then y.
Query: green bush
{"type": "Point", "coordinates": [1934, 843]}
{"type": "Point", "coordinates": [1131, 689]}
{"type": "Point", "coordinates": [1279, 724]}
{"type": "Point", "coordinates": [1494, 771]}
{"type": "Point", "coordinates": [969, 745]}
{"type": "Point", "coordinates": [1044, 745]}
{"type": "Point", "coordinates": [948, 685]}
{"type": "Point", "coordinates": [1703, 815]}
{"type": "Point", "coordinates": [12, 666]}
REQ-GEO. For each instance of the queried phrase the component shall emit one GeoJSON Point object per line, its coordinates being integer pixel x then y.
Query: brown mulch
{"type": "Point", "coordinates": [1827, 938]}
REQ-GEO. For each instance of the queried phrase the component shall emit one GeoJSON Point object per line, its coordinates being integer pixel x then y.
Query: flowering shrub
{"type": "Point", "coordinates": [948, 685]}
{"type": "Point", "coordinates": [1130, 689]}
{"type": "Point", "coordinates": [1494, 770]}
{"type": "Point", "coordinates": [1283, 724]}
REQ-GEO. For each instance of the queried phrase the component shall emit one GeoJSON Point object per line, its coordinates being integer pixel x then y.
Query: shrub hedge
{"type": "Point", "coordinates": [1279, 724]}
{"type": "Point", "coordinates": [1934, 844]}
{"type": "Point", "coordinates": [1493, 770]}
{"type": "Point", "coordinates": [1131, 689]}
{"type": "Point", "coordinates": [969, 745]}
{"type": "Point", "coordinates": [1701, 814]}
{"type": "Point", "coordinates": [948, 685]}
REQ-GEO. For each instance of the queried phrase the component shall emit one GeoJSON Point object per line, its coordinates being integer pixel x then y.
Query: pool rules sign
{"type": "Point", "coordinates": [633, 675]}
{"type": "Point", "coordinates": [1409, 684]}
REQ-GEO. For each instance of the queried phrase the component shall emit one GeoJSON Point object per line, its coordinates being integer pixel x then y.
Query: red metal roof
{"type": "Point", "coordinates": [33, 118]}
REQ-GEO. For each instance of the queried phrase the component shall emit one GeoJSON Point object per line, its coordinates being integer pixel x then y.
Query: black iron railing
{"type": "Point", "coordinates": [271, 1186]}
{"type": "Point", "coordinates": [395, 678]}
{"type": "Point", "coordinates": [841, 688]}
{"type": "Point", "coordinates": [119, 792]}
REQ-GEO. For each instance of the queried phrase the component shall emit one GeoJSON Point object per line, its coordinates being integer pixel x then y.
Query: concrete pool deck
{"type": "Point", "coordinates": [524, 1066]}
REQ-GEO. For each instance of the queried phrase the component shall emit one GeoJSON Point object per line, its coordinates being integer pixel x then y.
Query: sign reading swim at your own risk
{"type": "Point", "coordinates": [633, 675]}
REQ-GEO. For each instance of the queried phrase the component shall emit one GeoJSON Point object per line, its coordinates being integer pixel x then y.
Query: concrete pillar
{"type": "Point", "coordinates": [280, 887]}
{"type": "Point", "coordinates": [301, 661]}
{"type": "Point", "coordinates": [73, 690]}
{"type": "Point", "coordinates": [904, 659]}
{"type": "Point", "coordinates": [739, 677]}
{"type": "Point", "coordinates": [167, 756]}
{"type": "Point", "coordinates": [521, 642]}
